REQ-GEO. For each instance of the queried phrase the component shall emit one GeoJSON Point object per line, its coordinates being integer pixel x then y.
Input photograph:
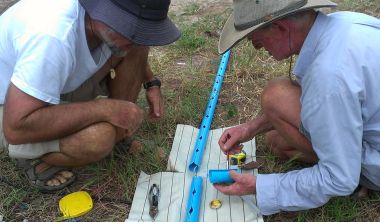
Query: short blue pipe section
{"type": "Point", "coordinates": [221, 176]}
{"type": "Point", "coordinates": [196, 158]}
{"type": "Point", "coordinates": [194, 201]}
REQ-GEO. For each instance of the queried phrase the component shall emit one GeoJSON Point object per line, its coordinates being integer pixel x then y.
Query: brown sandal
{"type": "Point", "coordinates": [39, 180]}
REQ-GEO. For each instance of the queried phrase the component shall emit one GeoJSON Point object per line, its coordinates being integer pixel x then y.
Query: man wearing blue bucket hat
{"type": "Point", "coordinates": [329, 117]}
{"type": "Point", "coordinates": [56, 57]}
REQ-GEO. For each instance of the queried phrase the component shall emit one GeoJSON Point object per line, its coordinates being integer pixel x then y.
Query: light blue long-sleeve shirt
{"type": "Point", "coordinates": [338, 69]}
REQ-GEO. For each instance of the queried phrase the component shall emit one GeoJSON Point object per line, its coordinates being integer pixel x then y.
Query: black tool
{"type": "Point", "coordinates": [154, 195]}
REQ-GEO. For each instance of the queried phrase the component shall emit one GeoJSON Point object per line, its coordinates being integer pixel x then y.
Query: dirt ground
{"type": "Point", "coordinates": [177, 6]}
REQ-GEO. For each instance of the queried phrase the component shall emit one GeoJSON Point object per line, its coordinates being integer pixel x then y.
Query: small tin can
{"type": "Point", "coordinates": [215, 204]}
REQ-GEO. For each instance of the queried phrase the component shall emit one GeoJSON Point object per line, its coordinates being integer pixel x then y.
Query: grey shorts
{"type": "Point", "coordinates": [365, 182]}
{"type": "Point", "coordinates": [90, 89]}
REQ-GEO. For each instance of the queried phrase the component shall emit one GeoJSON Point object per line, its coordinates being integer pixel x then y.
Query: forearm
{"type": "Point", "coordinates": [143, 52]}
{"type": "Point", "coordinates": [55, 121]}
{"type": "Point", "coordinates": [259, 125]}
{"type": "Point", "coordinates": [148, 75]}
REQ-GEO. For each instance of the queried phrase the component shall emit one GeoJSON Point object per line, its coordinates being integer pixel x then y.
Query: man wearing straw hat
{"type": "Point", "coordinates": [56, 57]}
{"type": "Point", "coordinates": [329, 117]}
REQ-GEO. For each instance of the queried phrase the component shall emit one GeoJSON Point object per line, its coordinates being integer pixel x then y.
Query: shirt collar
{"type": "Point", "coordinates": [309, 46]}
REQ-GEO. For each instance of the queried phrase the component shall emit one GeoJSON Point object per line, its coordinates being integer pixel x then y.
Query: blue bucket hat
{"type": "Point", "coordinates": [144, 22]}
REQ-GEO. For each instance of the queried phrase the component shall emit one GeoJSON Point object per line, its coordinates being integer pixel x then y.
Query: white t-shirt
{"type": "Point", "coordinates": [43, 49]}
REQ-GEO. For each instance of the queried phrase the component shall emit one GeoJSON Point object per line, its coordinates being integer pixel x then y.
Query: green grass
{"type": "Point", "coordinates": [191, 9]}
{"type": "Point", "coordinates": [12, 198]}
{"type": "Point", "coordinates": [196, 35]}
{"type": "Point", "coordinates": [231, 110]}
{"type": "Point", "coordinates": [187, 69]}
{"type": "Point", "coordinates": [342, 209]}
{"type": "Point", "coordinates": [190, 41]}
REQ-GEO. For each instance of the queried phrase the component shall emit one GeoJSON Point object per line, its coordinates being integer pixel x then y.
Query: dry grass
{"type": "Point", "coordinates": [187, 69]}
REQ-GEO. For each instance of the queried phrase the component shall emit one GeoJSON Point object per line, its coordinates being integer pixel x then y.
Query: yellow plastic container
{"type": "Point", "coordinates": [75, 205]}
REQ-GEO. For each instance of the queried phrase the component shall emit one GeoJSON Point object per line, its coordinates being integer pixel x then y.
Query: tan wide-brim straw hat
{"type": "Point", "coordinates": [249, 15]}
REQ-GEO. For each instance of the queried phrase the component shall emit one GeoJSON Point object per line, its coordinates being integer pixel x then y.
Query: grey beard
{"type": "Point", "coordinates": [117, 52]}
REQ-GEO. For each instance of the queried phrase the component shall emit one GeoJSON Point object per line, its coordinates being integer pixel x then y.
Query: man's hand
{"type": "Point", "coordinates": [232, 138]}
{"type": "Point", "coordinates": [125, 115]}
{"type": "Point", "coordinates": [156, 103]}
{"type": "Point", "coordinates": [244, 184]}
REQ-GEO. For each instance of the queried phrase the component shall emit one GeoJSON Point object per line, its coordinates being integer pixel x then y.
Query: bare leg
{"type": "Point", "coordinates": [361, 193]}
{"type": "Point", "coordinates": [87, 146]}
{"type": "Point", "coordinates": [280, 102]}
{"type": "Point", "coordinates": [97, 141]}
{"type": "Point", "coordinates": [277, 144]}
{"type": "Point", "coordinates": [132, 71]}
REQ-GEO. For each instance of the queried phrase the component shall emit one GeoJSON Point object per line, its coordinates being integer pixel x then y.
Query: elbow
{"type": "Point", "coordinates": [345, 187]}
{"type": "Point", "coordinates": [350, 188]}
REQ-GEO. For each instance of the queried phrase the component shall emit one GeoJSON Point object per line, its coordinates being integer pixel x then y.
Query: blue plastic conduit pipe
{"type": "Point", "coordinates": [196, 158]}
{"type": "Point", "coordinates": [194, 201]}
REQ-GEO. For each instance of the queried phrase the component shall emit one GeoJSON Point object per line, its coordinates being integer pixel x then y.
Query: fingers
{"type": "Point", "coordinates": [223, 139]}
{"type": "Point", "coordinates": [230, 189]}
{"type": "Point", "coordinates": [244, 184]}
{"type": "Point", "coordinates": [236, 149]}
{"type": "Point", "coordinates": [128, 133]}
{"type": "Point", "coordinates": [224, 188]}
{"type": "Point", "coordinates": [235, 175]}
{"type": "Point", "coordinates": [133, 119]}
{"type": "Point", "coordinates": [229, 142]}
{"type": "Point", "coordinates": [155, 102]}
{"type": "Point", "coordinates": [232, 144]}
{"type": "Point", "coordinates": [122, 114]}
{"type": "Point", "coordinates": [157, 109]}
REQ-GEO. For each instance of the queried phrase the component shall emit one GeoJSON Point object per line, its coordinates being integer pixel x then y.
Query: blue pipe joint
{"type": "Point", "coordinates": [194, 201]}
{"type": "Point", "coordinates": [200, 144]}
{"type": "Point", "coordinates": [221, 176]}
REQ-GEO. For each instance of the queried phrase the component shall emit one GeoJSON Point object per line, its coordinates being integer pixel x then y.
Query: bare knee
{"type": "Point", "coordinates": [91, 144]}
{"type": "Point", "coordinates": [275, 92]}
{"type": "Point", "coordinates": [98, 149]}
